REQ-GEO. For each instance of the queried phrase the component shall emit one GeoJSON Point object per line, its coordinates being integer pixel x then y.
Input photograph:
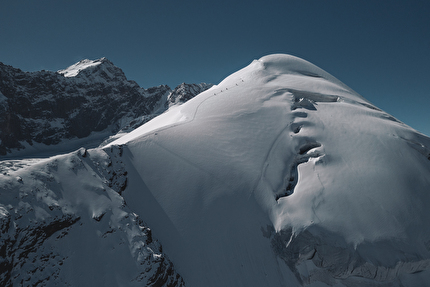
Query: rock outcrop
{"type": "Point", "coordinates": [89, 97]}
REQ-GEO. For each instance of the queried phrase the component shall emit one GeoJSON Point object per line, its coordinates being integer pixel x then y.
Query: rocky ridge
{"type": "Point", "coordinates": [90, 98]}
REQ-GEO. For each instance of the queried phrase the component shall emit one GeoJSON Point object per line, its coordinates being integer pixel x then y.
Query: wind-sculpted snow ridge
{"type": "Point", "coordinates": [64, 222]}
{"type": "Point", "coordinates": [281, 175]}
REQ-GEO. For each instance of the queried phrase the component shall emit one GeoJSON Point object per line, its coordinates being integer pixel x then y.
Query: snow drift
{"type": "Point", "coordinates": [280, 175]}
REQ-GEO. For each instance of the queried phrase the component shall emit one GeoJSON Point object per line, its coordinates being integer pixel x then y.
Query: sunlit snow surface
{"type": "Point", "coordinates": [280, 143]}
{"type": "Point", "coordinates": [279, 176]}
{"type": "Point", "coordinates": [74, 69]}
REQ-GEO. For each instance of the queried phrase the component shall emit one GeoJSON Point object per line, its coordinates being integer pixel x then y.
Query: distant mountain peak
{"type": "Point", "coordinates": [185, 92]}
{"type": "Point", "coordinates": [75, 69]}
{"type": "Point", "coordinates": [90, 96]}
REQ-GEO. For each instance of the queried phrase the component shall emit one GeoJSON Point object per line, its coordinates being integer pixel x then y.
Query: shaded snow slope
{"type": "Point", "coordinates": [63, 222]}
{"type": "Point", "coordinates": [283, 176]}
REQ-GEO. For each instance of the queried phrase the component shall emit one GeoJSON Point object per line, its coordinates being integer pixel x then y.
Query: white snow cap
{"type": "Point", "coordinates": [280, 175]}
{"type": "Point", "coordinates": [74, 69]}
{"type": "Point", "coordinates": [279, 143]}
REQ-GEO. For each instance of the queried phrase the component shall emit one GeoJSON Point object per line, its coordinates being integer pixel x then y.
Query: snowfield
{"type": "Point", "coordinates": [280, 175]}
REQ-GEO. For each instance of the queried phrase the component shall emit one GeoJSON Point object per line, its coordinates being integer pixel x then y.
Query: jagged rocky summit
{"type": "Point", "coordinates": [86, 102]}
{"type": "Point", "coordinates": [280, 175]}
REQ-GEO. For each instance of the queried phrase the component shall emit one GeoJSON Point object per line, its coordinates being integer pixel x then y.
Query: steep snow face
{"type": "Point", "coordinates": [283, 176]}
{"type": "Point", "coordinates": [74, 69]}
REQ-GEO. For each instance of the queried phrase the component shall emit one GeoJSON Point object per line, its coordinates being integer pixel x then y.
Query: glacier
{"type": "Point", "coordinates": [280, 175]}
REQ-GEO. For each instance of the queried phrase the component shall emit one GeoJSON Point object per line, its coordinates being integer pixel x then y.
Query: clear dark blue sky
{"type": "Point", "coordinates": [381, 49]}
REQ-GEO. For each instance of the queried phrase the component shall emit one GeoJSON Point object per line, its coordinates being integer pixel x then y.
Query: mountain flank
{"type": "Point", "coordinates": [89, 100]}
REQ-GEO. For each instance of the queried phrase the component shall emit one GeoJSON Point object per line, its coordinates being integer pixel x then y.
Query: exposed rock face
{"type": "Point", "coordinates": [185, 92]}
{"type": "Point", "coordinates": [90, 96]}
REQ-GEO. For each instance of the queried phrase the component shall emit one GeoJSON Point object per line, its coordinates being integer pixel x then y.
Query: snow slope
{"type": "Point", "coordinates": [280, 176]}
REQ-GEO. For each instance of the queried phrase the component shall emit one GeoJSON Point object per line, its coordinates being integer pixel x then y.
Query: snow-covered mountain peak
{"type": "Point", "coordinates": [91, 97]}
{"type": "Point", "coordinates": [293, 72]}
{"type": "Point", "coordinates": [287, 147]}
{"type": "Point", "coordinates": [94, 71]}
{"type": "Point", "coordinates": [288, 64]}
{"type": "Point", "coordinates": [74, 69]}
{"type": "Point", "coordinates": [280, 175]}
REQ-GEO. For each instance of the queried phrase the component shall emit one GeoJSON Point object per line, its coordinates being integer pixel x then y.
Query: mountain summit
{"type": "Point", "coordinates": [75, 69]}
{"type": "Point", "coordinates": [280, 175]}
{"type": "Point", "coordinates": [82, 105]}
{"type": "Point", "coordinates": [281, 169]}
